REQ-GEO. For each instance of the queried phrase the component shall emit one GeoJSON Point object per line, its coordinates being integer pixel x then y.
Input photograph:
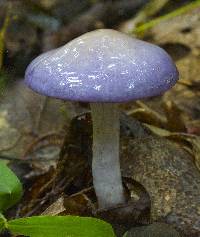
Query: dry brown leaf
{"type": "Point", "coordinates": [147, 115]}
{"type": "Point", "coordinates": [175, 117]}
{"type": "Point", "coordinates": [76, 204]}
{"type": "Point", "coordinates": [192, 142]}
{"type": "Point", "coordinates": [56, 208]}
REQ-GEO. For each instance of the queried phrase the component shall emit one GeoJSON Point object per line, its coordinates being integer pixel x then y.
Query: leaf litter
{"type": "Point", "coordinates": [158, 137]}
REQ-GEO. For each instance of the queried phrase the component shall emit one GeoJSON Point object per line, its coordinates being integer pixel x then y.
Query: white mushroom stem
{"type": "Point", "coordinates": [106, 172]}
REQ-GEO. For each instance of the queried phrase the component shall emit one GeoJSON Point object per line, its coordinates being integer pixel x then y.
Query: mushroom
{"type": "Point", "coordinates": [103, 67]}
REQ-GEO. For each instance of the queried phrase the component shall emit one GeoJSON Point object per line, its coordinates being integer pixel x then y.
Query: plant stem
{"type": "Point", "coordinates": [106, 164]}
{"type": "Point", "coordinates": [175, 13]}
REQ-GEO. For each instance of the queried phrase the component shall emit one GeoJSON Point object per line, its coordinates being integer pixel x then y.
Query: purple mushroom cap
{"type": "Point", "coordinates": [102, 66]}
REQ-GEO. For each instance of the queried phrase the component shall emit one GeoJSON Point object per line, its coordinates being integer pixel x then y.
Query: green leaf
{"type": "Point", "coordinates": [125, 234]}
{"type": "Point", "coordinates": [3, 222]}
{"type": "Point", "coordinates": [10, 188]}
{"type": "Point", "coordinates": [1, 225]}
{"type": "Point", "coordinates": [62, 226]}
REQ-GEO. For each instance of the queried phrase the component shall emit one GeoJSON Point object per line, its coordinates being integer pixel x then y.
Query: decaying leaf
{"type": "Point", "coordinates": [77, 204]}
{"type": "Point", "coordinates": [170, 177]}
{"type": "Point", "coordinates": [194, 145]}
{"type": "Point", "coordinates": [145, 114]}
{"type": "Point", "coordinates": [24, 119]}
{"type": "Point", "coordinates": [192, 142]}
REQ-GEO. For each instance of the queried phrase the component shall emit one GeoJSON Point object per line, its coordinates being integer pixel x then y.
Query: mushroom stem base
{"type": "Point", "coordinates": [106, 164]}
